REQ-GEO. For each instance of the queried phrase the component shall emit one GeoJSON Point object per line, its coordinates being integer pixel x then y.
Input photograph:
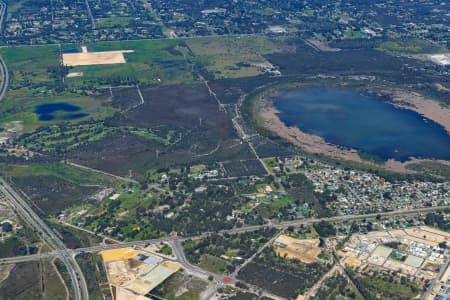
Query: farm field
{"type": "Point", "coordinates": [30, 66]}
{"type": "Point", "coordinates": [148, 62]}
{"type": "Point", "coordinates": [233, 56]}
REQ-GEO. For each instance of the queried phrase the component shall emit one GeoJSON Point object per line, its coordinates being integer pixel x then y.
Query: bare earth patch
{"type": "Point", "coordinates": [75, 74]}
{"type": "Point", "coordinates": [95, 58]}
{"type": "Point", "coordinates": [441, 59]}
{"type": "Point", "coordinates": [441, 87]}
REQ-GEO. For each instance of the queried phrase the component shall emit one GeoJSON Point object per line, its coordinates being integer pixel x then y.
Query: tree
{"type": "Point", "coordinates": [7, 227]}
{"type": "Point", "coordinates": [325, 229]}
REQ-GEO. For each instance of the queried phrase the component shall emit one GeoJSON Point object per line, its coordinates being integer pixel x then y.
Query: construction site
{"type": "Point", "coordinates": [418, 253]}
{"type": "Point", "coordinates": [133, 274]}
{"type": "Point", "coordinates": [306, 251]}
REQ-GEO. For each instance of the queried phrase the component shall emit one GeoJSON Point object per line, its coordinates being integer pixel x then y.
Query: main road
{"type": "Point", "coordinates": [4, 75]}
{"type": "Point", "coordinates": [21, 207]}
{"type": "Point", "coordinates": [176, 240]}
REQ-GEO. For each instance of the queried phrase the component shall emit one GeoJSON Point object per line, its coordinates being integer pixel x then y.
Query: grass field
{"type": "Point", "coordinates": [152, 62]}
{"type": "Point", "coordinates": [64, 171]}
{"type": "Point", "coordinates": [408, 46]}
{"type": "Point", "coordinates": [30, 65]}
{"type": "Point", "coordinates": [112, 22]}
{"type": "Point", "coordinates": [212, 264]}
{"type": "Point", "coordinates": [37, 78]}
{"type": "Point", "coordinates": [232, 57]}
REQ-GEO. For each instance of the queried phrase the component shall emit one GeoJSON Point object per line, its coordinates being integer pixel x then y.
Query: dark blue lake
{"type": "Point", "coordinates": [58, 111]}
{"type": "Point", "coordinates": [363, 122]}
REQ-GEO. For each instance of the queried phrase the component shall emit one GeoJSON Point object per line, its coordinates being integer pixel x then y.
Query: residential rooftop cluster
{"type": "Point", "coordinates": [72, 21]}
{"type": "Point", "coordinates": [360, 192]}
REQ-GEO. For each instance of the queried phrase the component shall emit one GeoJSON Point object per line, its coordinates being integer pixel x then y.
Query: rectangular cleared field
{"type": "Point", "coordinates": [95, 58]}
{"type": "Point", "coordinates": [304, 250]}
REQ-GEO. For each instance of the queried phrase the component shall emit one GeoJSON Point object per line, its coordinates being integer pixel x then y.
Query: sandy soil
{"type": "Point", "coordinates": [440, 87]}
{"type": "Point", "coordinates": [315, 144]}
{"type": "Point", "coordinates": [95, 58]}
{"type": "Point", "coordinates": [441, 59]}
{"type": "Point", "coordinates": [75, 74]}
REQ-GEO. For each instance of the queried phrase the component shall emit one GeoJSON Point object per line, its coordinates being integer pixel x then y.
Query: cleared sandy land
{"type": "Point", "coordinates": [304, 250]}
{"type": "Point", "coordinates": [441, 59]}
{"type": "Point", "coordinates": [95, 58]}
{"type": "Point", "coordinates": [75, 74]}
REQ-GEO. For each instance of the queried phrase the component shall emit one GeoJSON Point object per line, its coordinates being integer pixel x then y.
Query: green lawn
{"type": "Point", "coordinates": [213, 264]}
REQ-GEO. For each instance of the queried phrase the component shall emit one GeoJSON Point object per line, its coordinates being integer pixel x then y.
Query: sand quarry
{"type": "Point", "coordinates": [86, 58]}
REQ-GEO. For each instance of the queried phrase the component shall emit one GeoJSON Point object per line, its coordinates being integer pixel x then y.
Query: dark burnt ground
{"type": "Point", "coordinates": [177, 106]}
{"type": "Point", "coordinates": [125, 98]}
{"type": "Point", "coordinates": [202, 133]}
{"type": "Point", "coordinates": [52, 194]}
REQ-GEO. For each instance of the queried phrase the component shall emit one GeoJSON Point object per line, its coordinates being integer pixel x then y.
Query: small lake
{"type": "Point", "coordinates": [58, 111]}
{"type": "Point", "coordinates": [363, 122]}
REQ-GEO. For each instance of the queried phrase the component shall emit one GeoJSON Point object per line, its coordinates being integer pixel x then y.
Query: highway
{"type": "Point", "coordinates": [21, 207]}
{"type": "Point", "coordinates": [4, 78]}
{"type": "Point", "coordinates": [79, 283]}
{"type": "Point", "coordinates": [2, 14]}
{"type": "Point", "coordinates": [176, 240]}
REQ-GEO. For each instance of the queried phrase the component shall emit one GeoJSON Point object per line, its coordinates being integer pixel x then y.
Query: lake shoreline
{"type": "Point", "coordinates": [268, 117]}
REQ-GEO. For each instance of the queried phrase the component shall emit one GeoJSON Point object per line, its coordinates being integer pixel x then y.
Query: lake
{"type": "Point", "coordinates": [58, 111]}
{"type": "Point", "coordinates": [363, 122]}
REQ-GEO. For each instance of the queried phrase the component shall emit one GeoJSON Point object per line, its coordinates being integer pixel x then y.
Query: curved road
{"type": "Point", "coordinates": [4, 78]}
